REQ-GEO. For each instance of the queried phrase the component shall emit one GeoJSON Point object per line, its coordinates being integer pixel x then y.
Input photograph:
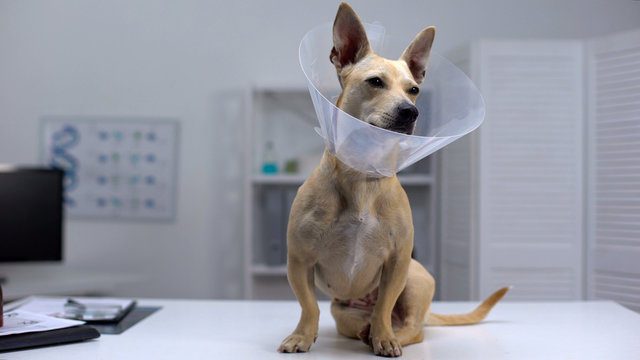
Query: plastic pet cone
{"type": "Point", "coordinates": [450, 107]}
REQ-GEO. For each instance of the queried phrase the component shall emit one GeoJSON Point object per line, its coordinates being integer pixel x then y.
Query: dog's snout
{"type": "Point", "coordinates": [407, 113]}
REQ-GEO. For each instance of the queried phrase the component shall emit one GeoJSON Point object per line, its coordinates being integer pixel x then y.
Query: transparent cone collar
{"type": "Point", "coordinates": [450, 107]}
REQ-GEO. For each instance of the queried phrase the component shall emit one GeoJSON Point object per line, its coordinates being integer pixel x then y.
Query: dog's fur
{"type": "Point", "coordinates": [352, 235]}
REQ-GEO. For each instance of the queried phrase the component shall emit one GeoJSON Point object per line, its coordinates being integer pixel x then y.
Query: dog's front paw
{"type": "Point", "coordinates": [383, 345]}
{"type": "Point", "coordinates": [296, 343]}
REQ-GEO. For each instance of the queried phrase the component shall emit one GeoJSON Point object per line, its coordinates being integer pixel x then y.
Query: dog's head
{"type": "Point", "coordinates": [376, 90]}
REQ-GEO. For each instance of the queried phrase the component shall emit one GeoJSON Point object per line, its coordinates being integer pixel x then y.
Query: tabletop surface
{"type": "Point", "coordinates": [211, 329]}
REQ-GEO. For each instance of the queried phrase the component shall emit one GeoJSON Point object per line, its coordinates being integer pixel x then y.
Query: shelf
{"type": "Point", "coordinates": [267, 270]}
{"type": "Point", "coordinates": [279, 179]}
{"type": "Point", "coordinates": [416, 179]}
{"type": "Point", "coordinates": [296, 179]}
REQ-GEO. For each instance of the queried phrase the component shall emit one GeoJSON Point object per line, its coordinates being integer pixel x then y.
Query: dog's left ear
{"type": "Point", "coordinates": [417, 53]}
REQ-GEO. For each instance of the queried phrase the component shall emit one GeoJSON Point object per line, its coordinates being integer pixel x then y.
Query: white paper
{"type": "Point", "coordinates": [20, 321]}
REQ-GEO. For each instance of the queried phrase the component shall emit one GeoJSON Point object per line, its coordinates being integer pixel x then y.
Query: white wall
{"type": "Point", "coordinates": [174, 58]}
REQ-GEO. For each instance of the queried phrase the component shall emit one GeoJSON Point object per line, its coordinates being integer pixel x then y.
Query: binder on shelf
{"type": "Point", "coordinates": [275, 232]}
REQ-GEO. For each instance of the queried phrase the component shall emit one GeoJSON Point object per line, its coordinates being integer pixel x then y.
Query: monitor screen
{"type": "Point", "coordinates": [31, 214]}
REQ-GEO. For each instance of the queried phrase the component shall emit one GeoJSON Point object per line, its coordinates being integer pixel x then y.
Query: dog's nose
{"type": "Point", "coordinates": [407, 113]}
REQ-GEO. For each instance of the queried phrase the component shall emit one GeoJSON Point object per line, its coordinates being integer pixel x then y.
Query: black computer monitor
{"type": "Point", "coordinates": [31, 214]}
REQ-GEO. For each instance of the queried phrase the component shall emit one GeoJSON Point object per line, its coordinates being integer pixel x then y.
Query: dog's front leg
{"type": "Point", "coordinates": [393, 280]}
{"type": "Point", "coordinates": [301, 279]}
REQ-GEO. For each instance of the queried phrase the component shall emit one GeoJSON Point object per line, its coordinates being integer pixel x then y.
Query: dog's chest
{"type": "Point", "coordinates": [355, 250]}
{"type": "Point", "coordinates": [357, 235]}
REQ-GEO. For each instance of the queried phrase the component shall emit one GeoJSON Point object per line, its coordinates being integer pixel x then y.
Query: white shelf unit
{"type": "Point", "coordinates": [285, 117]}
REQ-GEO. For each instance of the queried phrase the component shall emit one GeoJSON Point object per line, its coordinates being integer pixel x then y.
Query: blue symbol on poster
{"type": "Point", "coordinates": [134, 158]}
{"type": "Point", "coordinates": [150, 180]}
{"type": "Point", "coordinates": [63, 140]}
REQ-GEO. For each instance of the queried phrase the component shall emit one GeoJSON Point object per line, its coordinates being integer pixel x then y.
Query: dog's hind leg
{"type": "Point", "coordinates": [350, 321]}
{"type": "Point", "coordinates": [413, 304]}
{"type": "Point", "coordinates": [407, 317]}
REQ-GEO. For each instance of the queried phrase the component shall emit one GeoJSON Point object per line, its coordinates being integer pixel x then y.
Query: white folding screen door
{"type": "Point", "coordinates": [546, 194]}
{"type": "Point", "coordinates": [531, 160]}
{"type": "Point", "coordinates": [613, 270]}
{"type": "Point", "coordinates": [512, 193]}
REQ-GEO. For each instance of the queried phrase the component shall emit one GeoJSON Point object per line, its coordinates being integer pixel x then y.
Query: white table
{"type": "Point", "coordinates": [192, 329]}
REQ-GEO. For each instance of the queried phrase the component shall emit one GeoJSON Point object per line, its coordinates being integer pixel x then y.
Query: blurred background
{"type": "Point", "coordinates": [220, 70]}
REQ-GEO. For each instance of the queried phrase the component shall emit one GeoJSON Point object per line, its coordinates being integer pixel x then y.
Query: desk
{"type": "Point", "coordinates": [60, 280]}
{"type": "Point", "coordinates": [192, 329]}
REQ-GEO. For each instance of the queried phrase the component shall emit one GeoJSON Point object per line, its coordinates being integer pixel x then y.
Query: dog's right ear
{"type": "Point", "coordinates": [350, 43]}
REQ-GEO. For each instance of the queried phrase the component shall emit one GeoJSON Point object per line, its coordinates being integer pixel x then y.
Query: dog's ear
{"type": "Point", "coordinates": [417, 53]}
{"type": "Point", "coordinates": [350, 43]}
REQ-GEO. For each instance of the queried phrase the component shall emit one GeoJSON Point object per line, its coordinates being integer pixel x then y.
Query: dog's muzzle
{"type": "Point", "coordinates": [405, 119]}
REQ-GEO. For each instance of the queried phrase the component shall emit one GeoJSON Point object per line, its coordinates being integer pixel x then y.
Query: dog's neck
{"type": "Point", "coordinates": [348, 180]}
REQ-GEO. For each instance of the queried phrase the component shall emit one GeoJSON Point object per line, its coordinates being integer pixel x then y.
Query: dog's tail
{"type": "Point", "coordinates": [473, 317]}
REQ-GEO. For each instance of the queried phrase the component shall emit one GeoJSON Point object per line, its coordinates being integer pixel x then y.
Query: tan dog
{"type": "Point", "coordinates": [352, 235]}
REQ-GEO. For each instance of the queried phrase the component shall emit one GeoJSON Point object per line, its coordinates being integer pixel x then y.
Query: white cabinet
{"type": "Point", "coordinates": [285, 118]}
{"type": "Point", "coordinates": [512, 192]}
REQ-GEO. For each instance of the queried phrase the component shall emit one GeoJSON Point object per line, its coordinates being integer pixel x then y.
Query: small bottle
{"type": "Point", "coordinates": [269, 164]}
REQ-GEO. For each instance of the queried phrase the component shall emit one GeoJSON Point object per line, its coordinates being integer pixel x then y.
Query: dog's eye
{"type": "Point", "coordinates": [376, 82]}
{"type": "Point", "coordinates": [414, 90]}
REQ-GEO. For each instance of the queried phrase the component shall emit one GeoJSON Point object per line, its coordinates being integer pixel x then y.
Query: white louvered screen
{"type": "Point", "coordinates": [531, 169]}
{"type": "Point", "coordinates": [614, 172]}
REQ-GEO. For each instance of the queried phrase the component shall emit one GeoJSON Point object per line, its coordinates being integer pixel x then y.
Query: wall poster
{"type": "Point", "coordinates": [115, 168]}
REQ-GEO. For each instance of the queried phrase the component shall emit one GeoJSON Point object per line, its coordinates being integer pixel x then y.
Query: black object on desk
{"type": "Point", "coordinates": [107, 318]}
{"type": "Point", "coordinates": [134, 316]}
{"type": "Point", "coordinates": [51, 337]}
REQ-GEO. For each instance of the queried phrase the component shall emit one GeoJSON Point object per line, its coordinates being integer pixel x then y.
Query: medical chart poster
{"type": "Point", "coordinates": [115, 168]}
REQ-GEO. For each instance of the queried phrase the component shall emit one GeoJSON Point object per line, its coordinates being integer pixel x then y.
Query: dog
{"type": "Point", "coordinates": [351, 235]}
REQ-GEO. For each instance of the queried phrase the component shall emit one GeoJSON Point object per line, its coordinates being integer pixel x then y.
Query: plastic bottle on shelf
{"type": "Point", "coordinates": [269, 163]}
